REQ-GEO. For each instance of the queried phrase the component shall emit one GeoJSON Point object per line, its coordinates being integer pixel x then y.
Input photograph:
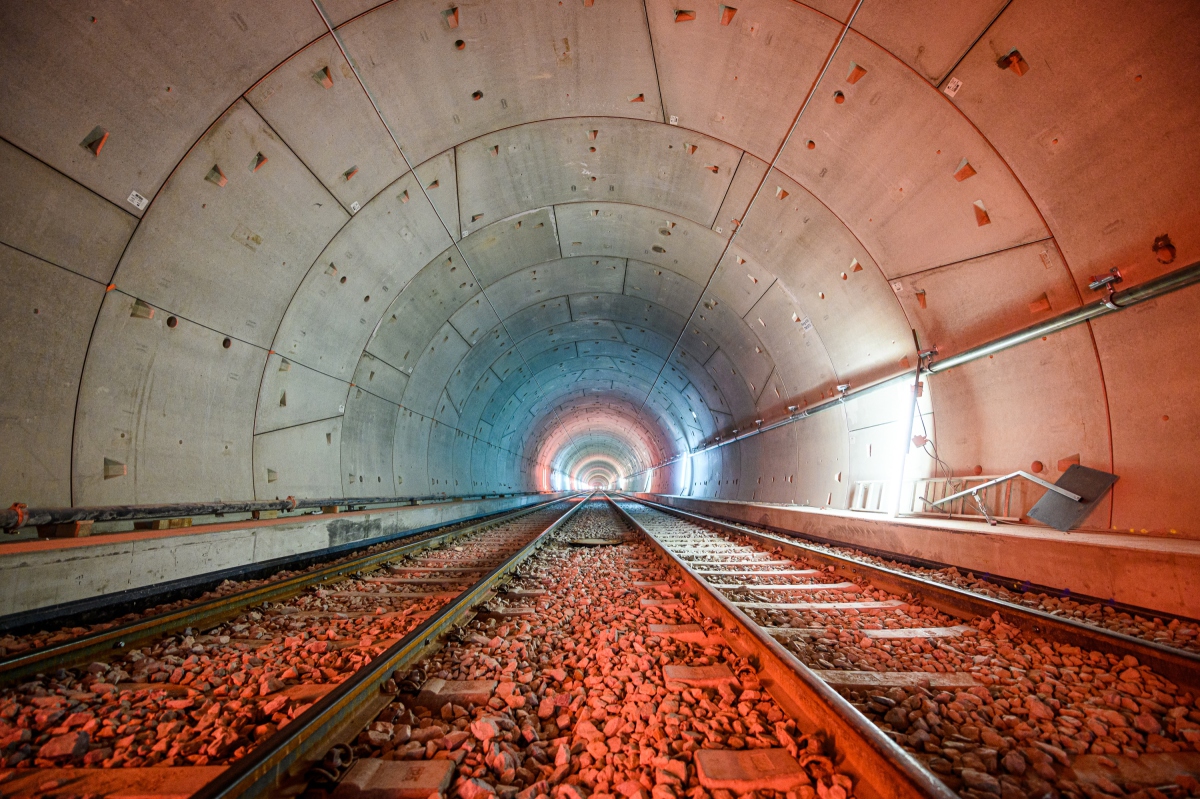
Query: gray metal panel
{"type": "Point", "coordinates": [663, 287]}
{"type": "Point", "coordinates": [593, 160]}
{"type": "Point", "coordinates": [511, 244]}
{"type": "Point", "coordinates": [857, 317]}
{"type": "Point", "coordinates": [628, 231]}
{"type": "Point", "coordinates": [428, 379]}
{"type": "Point", "coordinates": [48, 313]}
{"type": "Point", "coordinates": [1065, 514]}
{"type": "Point", "coordinates": [526, 66]}
{"type": "Point", "coordinates": [380, 379]}
{"type": "Point", "coordinates": [410, 455]}
{"type": "Point", "coordinates": [146, 388]}
{"type": "Point", "coordinates": [301, 461]}
{"type": "Point", "coordinates": [231, 257]}
{"type": "Point", "coordinates": [54, 218]}
{"type": "Point", "coordinates": [743, 82]}
{"type": "Point", "coordinates": [153, 76]}
{"type": "Point", "coordinates": [334, 130]}
{"type": "Point", "coordinates": [293, 394]}
{"type": "Point", "coordinates": [885, 162]}
{"type": "Point", "coordinates": [368, 429]}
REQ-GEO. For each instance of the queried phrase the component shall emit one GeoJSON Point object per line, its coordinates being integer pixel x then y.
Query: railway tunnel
{"type": "Point", "coordinates": [289, 281]}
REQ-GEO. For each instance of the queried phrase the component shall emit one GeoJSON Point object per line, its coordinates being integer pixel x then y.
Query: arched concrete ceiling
{"type": "Point", "coordinates": [456, 248]}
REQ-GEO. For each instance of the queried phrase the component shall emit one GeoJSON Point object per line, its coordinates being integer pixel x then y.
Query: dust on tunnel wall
{"type": "Point", "coordinates": [1077, 165]}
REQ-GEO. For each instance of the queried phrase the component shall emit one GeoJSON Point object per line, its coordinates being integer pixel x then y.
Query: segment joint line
{"type": "Point", "coordinates": [320, 8]}
{"type": "Point", "coordinates": [757, 193]}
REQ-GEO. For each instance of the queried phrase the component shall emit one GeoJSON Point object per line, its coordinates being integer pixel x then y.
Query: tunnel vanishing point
{"type": "Point", "coordinates": [841, 258]}
{"type": "Point", "coordinates": [284, 279]}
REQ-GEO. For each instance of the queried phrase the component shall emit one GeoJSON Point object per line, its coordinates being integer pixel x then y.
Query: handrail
{"type": "Point", "coordinates": [1069, 495]}
{"type": "Point", "coordinates": [973, 491]}
{"type": "Point", "coordinates": [19, 515]}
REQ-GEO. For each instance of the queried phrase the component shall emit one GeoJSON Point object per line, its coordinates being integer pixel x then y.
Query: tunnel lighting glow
{"type": "Point", "coordinates": [903, 398]}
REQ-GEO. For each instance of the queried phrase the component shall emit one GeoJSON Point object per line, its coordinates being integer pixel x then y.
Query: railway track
{"type": "Point", "coordinates": [994, 698]}
{"type": "Point", "coordinates": [22, 636]}
{"type": "Point", "coordinates": [47, 651]}
{"type": "Point", "coordinates": [611, 651]}
{"type": "Point", "coordinates": [159, 696]}
{"type": "Point", "coordinates": [590, 675]}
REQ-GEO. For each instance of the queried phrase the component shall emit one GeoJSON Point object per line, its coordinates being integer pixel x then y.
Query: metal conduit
{"type": "Point", "coordinates": [1116, 301]}
{"type": "Point", "coordinates": [1172, 281]}
{"type": "Point", "coordinates": [21, 516]}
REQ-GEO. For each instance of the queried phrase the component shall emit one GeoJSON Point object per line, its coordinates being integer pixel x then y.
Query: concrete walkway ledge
{"type": "Point", "coordinates": [38, 579]}
{"type": "Point", "coordinates": [1158, 574]}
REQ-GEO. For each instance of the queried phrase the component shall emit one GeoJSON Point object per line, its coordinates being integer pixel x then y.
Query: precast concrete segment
{"type": "Point", "coordinates": [979, 211]}
{"type": "Point", "coordinates": [990, 705]}
{"type": "Point", "coordinates": [248, 676]}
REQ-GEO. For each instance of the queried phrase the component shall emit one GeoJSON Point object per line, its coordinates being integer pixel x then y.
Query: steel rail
{"type": "Point", "coordinates": [19, 515]}
{"type": "Point", "coordinates": [292, 748]}
{"type": "Point", "coordinates": [211, 612]}
{"type": "Point", "coordinates": [876, 762]}
{"type": "Point", "coordinates": [1177, 665]}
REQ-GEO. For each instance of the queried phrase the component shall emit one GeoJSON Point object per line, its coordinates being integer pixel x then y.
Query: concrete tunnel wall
{"type": "Point", "coordinates": [610, 250]}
